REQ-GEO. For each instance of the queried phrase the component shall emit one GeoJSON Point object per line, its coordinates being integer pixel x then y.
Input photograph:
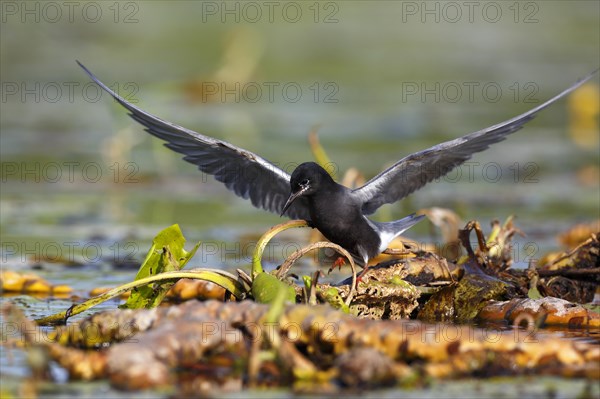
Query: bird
{"type": "Point", "coordinates": [311, 194]}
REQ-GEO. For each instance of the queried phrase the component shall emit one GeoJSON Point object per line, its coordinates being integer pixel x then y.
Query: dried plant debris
{"type": "Point", "coordinates": [463, 301]}
{"type": "Point", "coordinates": [389, 290]}
{"type": "Point", "coordinates": [482, 277]}
{"type": "Point", "coordinates": [375, 298]}
{"type": "Point", "coordinates": [585, 255]}
{"type": "Point", "coordinates": [30, 283]}
{"type": "Point", "coordinates": [574, 274]}
{"type": "Point", "coordinates": [425, 269]}
{"type": "Point", "coordinates": [540, 312]}
{"type": "Point", "coordinates": [186, 289]}
{"type": "Point", "coordinates": [578, 234]}
{"type": "Point", "coordinates": [448, 222]}
{"type": "Point", "coordinates": [195, 342]}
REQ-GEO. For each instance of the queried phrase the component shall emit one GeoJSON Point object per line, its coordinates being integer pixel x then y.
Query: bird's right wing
{"type": "Point", "coordinates": [243, 172]}
{"type": "Point", "coordinates": [416, 170]}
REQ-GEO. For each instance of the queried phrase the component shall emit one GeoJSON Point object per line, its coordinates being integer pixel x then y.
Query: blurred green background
{"type": "Point", "coordinates": [381, 79]}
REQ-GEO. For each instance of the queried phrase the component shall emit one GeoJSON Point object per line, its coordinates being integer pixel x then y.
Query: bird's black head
{"type": "Point", "coordinates": [306, 180]}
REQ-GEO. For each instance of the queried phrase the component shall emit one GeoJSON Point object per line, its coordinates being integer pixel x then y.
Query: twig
{"type": "Point", "coordinates": [577, 248]}
{"type": "Point", "coordinates": [321, 244]}
{"type": "Point", "coordinates": [569, 272]}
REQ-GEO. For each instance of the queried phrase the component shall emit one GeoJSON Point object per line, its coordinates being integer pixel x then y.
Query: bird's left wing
{"type": "Point", "coordinates": [416, 170]}
{"type": "Point", "coordinates": [243, 172]}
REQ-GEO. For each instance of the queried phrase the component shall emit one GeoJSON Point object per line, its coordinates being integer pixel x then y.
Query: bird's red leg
{"type": "Point", "coordinates": [361, 274]}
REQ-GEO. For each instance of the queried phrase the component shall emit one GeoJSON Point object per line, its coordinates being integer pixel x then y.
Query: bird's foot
{"type": "Point", "coordinates": [339, 262]}
{"type": "Point", "coordinates": [362, 274]}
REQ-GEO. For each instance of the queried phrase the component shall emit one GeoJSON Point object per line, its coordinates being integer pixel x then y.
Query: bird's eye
{"type": "Point", "coordinates": [304, 182]}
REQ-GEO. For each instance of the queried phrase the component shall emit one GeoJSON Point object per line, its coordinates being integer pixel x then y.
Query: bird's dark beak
{"type": "Point", "coordinates": [292, 198]}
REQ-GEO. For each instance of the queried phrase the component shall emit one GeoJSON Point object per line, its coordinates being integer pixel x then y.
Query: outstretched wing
{"type": "Point", "coordinates": [244, 173]}
{"type": "Point", "coordinates": [416, 170]}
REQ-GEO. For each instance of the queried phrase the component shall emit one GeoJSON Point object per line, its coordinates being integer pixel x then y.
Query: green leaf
{"type": "Point", "coordinates": [265, 288]}
{"type": "Point", "coordinates": [534, 293]}
{"type": "Point", "coordinates": [165, 255]}
{"type": "Point", "coordinates": [264, 240]}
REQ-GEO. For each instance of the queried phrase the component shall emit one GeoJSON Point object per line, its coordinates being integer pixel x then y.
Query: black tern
{"type": "Point", "coordinates": [311, 194]}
